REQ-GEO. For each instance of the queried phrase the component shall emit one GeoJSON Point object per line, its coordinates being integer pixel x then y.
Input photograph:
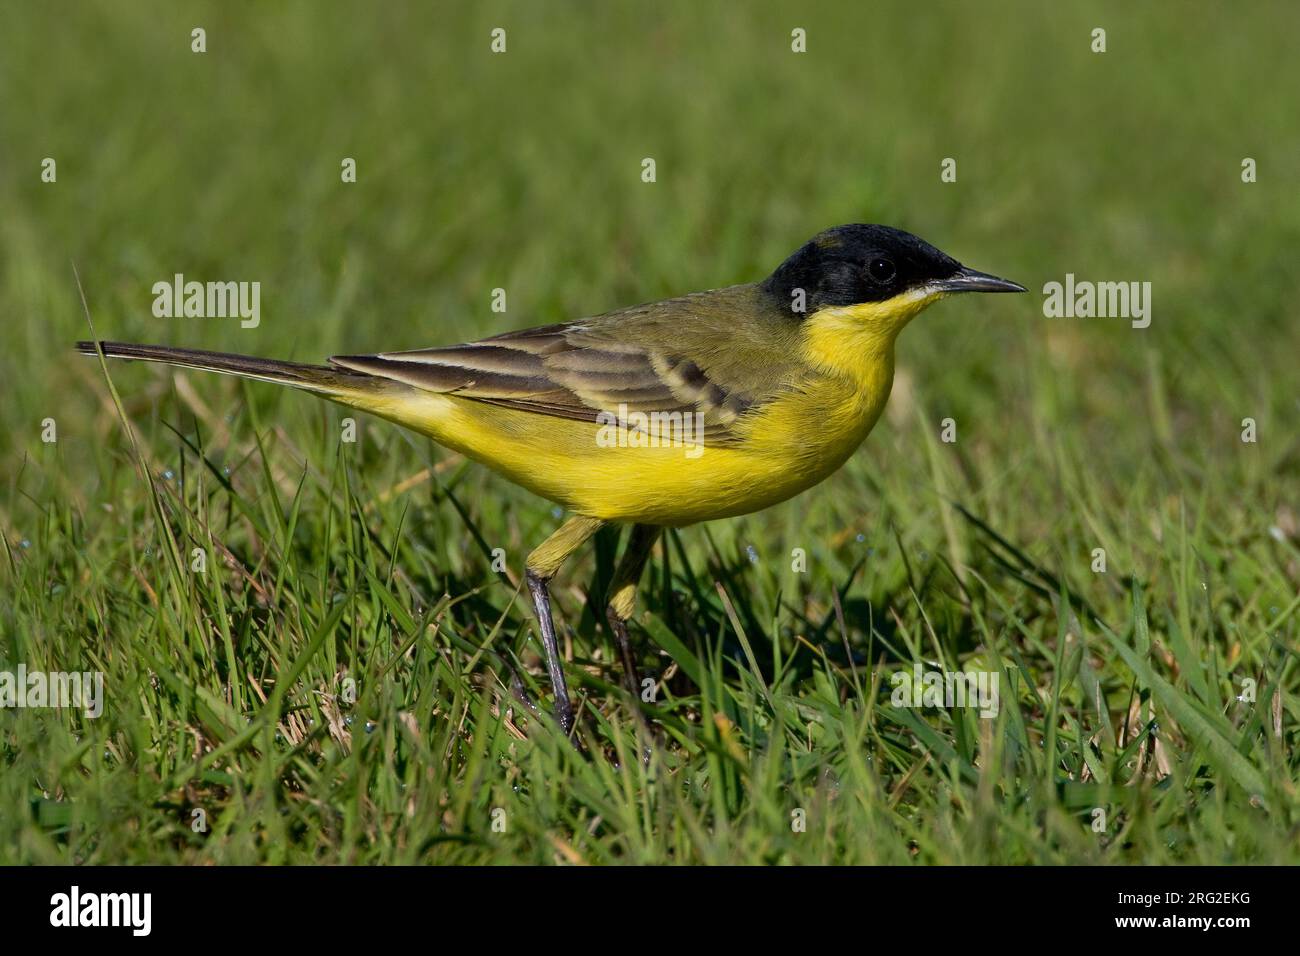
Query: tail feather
{"type": "Point", "coordinates": [321, 379]}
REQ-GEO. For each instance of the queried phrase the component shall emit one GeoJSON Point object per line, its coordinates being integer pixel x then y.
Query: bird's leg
{"type": "Point", "coordinates": [622, 596]}
{"type": "Point", "coordinates": [539, 568]}
{"type": "Point", "coordinates": [519, 690]}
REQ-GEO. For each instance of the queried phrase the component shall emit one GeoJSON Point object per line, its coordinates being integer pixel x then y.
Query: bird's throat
{"type": "Point", "coordinates": [856, 343]}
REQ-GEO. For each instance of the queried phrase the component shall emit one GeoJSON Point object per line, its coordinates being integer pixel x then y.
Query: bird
{"type": "Point", "coordinates": [704, 406]}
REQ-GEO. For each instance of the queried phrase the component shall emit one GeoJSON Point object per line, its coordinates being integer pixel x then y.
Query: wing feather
{"type": "Point", "coordinates": [719, 355]}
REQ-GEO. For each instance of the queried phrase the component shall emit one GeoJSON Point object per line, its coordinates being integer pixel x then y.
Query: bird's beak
{"type": "Point", "coordinates": [971, 280]}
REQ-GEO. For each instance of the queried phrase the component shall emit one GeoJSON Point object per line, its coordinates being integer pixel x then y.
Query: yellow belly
{"type": "Point", "coordinates": [788, 446]}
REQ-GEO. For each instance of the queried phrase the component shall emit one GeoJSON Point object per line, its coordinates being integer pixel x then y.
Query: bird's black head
{"type": "Point", "coordinates": [855, 264]}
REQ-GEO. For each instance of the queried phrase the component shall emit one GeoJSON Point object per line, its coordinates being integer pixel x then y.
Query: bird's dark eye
{"type": "Point", "coordinates": [881, 270]}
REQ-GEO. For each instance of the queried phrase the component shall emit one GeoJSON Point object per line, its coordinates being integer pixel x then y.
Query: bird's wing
{"type": "Point", "coordinates": [719, 355]}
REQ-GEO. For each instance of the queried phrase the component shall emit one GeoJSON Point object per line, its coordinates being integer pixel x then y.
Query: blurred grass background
{"type": "Point", "coordinates": [522, 171]}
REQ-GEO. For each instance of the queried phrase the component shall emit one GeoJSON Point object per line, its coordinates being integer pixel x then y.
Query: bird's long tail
{"type": "Point", "coordinates": [330, 381]}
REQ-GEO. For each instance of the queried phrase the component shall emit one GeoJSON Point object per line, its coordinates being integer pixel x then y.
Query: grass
{"type": "Point", "coordinates": [368, 566]}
